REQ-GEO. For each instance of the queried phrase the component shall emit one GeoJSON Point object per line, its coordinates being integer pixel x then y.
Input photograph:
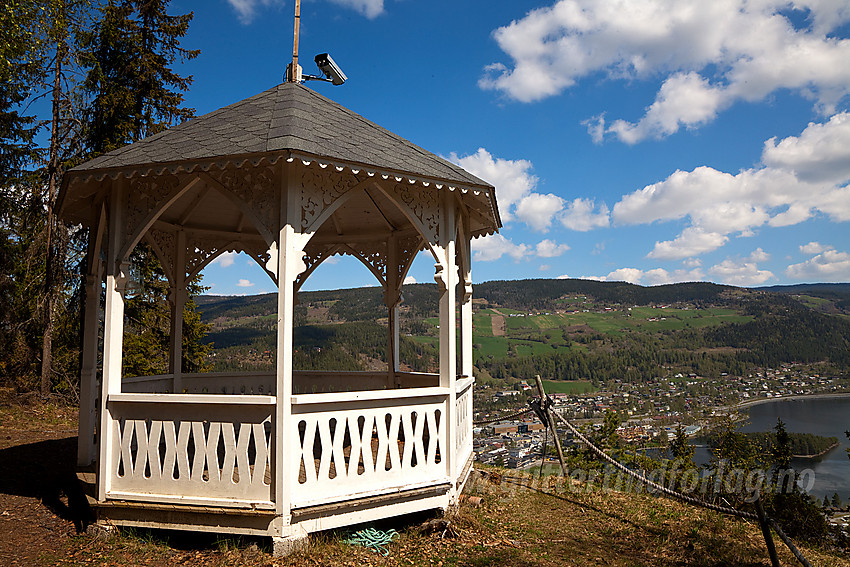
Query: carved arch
{"type": "Point", "coordinates": [148, 198]}
{"type": "Point", "coordinates": [422, 209]}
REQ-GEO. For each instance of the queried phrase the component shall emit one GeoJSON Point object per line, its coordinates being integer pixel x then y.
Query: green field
{"type": "Point", "coordinates": [572, 387]}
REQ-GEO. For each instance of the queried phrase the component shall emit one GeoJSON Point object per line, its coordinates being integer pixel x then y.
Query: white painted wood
{"type": "Point", "coordinates": [290, 246]}
{"type": "Point", "coordinates": [263, 383]}
{"type": "Point", "coordinates": [113, 336]}
{"type": "Point", "coordinates": [447, 284]}
{"type": "Point", "coordinates": [380, 396]}
{"type": "Point", "coordinates": [347, 517]}
{"type": "Point", "coordinates": [89, 411]}
{"type": "Point", "coordinates": [341, 449]}
{"type": "Point", "coordinates": [178, 302]}
{"type": "Point", "coordinates": [204, 450]}
{"type": "Point", "coordinates": [463, 432]}
{"type": "Point", "coordinates": [185, 399]}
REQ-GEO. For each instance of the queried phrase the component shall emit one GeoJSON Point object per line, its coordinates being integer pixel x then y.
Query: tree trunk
{"type": "Point", "coordinates": [50, 269]}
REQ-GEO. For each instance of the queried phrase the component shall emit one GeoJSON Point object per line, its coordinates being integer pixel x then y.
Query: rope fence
{"type": "Point", "coordinates": [542, 407]}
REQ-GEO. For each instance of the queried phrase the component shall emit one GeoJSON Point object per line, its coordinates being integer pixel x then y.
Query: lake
{"type": "Point", "coordinates": [830, 417]}
{"type": "Point", "coordinates": [827, 416]}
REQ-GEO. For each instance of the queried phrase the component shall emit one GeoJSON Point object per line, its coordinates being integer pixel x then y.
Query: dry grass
{"type": "Point", "coordinates": [512, 528]}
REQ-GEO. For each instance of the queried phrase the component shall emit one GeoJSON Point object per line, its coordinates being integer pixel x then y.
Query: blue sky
{"type": "Point", "coordinates": [652, 142]}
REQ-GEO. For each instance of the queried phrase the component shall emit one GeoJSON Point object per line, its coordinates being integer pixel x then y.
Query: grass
{"type": "Point", "coordinates": [546, 524]}
{"type": "Point", "coordinates": [568, 387]}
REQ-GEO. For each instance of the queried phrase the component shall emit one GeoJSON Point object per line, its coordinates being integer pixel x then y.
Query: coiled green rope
{"type": "Point", "coordinates": [373, 539]}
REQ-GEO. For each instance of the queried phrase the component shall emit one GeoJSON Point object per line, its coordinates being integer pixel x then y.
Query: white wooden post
{"type": "Point", "coordinates": [88, 372]}
{"type": "Point", "coordinates": [466, 327]}
{"type": "Point", "coordinates": [392, 299]}
{"type": "Point", "coordinates": [177, 298]}
{"type": "Point", "coordinates": [290, 247]}
{"type": "Point", "coordinates": [113, 337]}
{"type": "Point", "coordinates": [446, 278]}
{"type": "Point", "coordinates": [86, 446]}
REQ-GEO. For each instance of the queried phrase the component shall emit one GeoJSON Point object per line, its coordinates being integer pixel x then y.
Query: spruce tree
{"type": "Point", "coordinates": [135, 93]}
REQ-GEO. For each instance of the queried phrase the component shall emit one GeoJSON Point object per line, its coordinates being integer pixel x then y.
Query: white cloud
{"type": "Point", "coordinates": [515, 188]}
{"type": "Point", "coordinates": [819, 154]}
{"type": "Point", "coordinates": [655, 276]}
{"type": "Point", "coordinates": [813, 248]}
{"type": "Point", "coordinates": [245, 283]}
{"type": "Point", "coordinates": [550, 249]}
{"type": "Point", "coordinates": [409, 280]}
{"type": "Point", "coordinates": [660, 276]}
{"type": "Point", "coordinates": [225, 259]}
{"type": "Point", "coordinates": [759, 255]}
{"type": "Point", "coordinates": [707, 55]}
{"type": "Point", "coordinates": [583, 215]}
{"type": "Point", "coordinates": [830, 265]}
{"type": "Point", "coordinates": [511, 178]}
{"type": "Point", "coordinates": [718, 204]}
{"type": "Point", "coordinates": [691, 242]}
{"type": "Point", "coordinates": [369, 8]}
{"type": "Point", "coordinates": [536, 210]}
{"type": "Point", "coordinates": [544, 267]}
{"type": "Point", "coordinates": [631, 275]}
{"type": "Point", "coordinates": [247, 9]}
{"type": "Point", "coordinates": [742, 272]}
{"type": "Point", "coordinates": [493, 247]}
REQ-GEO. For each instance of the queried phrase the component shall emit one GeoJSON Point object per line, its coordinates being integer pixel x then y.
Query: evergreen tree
{"type": "Point", "coordinates": [783, 474]}
{"type": "Point", "coordinates": [36, 59]}
{"type": "Point", "coordinates": [135, 93]}
{"type": "Point", "coordinates": [128, 56]}
{"type": "Point", "coordinates": [680, 449]}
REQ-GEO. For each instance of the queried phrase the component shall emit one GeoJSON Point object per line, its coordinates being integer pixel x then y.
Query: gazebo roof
{"type": "Point", "coordinates": [287, 117]}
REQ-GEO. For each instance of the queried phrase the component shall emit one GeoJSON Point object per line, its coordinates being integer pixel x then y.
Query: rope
{"type": "Point", "coordinates": [373, 539]}
{"type": "Point", "coordinates": [503, 418]}
{"type": "Point", "coordinates": [660, 488]}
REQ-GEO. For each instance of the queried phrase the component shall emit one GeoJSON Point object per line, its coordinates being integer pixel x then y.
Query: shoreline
{"type": "Point", "coordinates": [759, 401]}
{"type": "Point", "coordinates": [817, 455]}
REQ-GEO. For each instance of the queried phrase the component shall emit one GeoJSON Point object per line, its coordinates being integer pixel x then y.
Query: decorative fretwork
{"type": "Point", "coordinates": [164, 244]}
{"type": "Point", "coordinates": [225, 462]}
{"type": "Point", "coordinates": [348, 450]}
{"type": "Point", "coordinates": [144, 198]}
{"type": "Point", "coordinates": [319, 189]}
{"type": "Point", "coordinates": [315, 254]}
{"type": "Point", "coordinates": [424, 204]}
{"type": "Point", "coordinates": [408, 248]}
{"type": "Point", "coordinates": [261, 253]}
{"type": "Point", "coordinates": [373, 255]}
{"type": "Point", "coordinates": [463, 427]}
{"type": "Point", "coordinates": [202, 249]}
{"type": "Point", "coordinates": [257, 189]}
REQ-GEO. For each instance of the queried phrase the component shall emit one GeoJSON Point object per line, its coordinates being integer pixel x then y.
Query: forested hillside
{"type": "Point", "coordinates": [561, 329]}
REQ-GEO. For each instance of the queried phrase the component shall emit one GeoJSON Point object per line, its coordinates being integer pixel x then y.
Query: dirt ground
{"type": "Point", "coordinates": [37, 456]}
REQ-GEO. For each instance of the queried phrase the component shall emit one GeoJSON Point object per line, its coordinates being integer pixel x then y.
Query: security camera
{"type": "Point", "coordinates": [330, 69]}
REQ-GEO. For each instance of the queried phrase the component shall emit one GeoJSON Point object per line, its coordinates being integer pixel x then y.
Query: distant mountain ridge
{"type": "Point", "coordinates": [571, 329]}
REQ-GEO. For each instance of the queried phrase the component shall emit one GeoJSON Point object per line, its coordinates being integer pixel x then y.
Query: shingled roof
{"type": "Point", "coordinates": [290, 117]}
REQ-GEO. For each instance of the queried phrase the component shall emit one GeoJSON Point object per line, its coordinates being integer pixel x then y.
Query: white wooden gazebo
{"type": "Point", "coordinates": [290, 178]}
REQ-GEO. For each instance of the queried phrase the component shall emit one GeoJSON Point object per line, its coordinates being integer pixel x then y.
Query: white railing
{"type": "Point", "coordinates": [346, 446]}
{"type": "Point", "coordinates": [264, 383]}
{"type": "Point", "coordinates": [463, 414]}
{"type": "Point", "coordinates": [191, 449]}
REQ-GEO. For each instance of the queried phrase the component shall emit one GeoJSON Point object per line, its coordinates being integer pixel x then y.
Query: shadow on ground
{"type": "Point", "coordinates": [46, 470]}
